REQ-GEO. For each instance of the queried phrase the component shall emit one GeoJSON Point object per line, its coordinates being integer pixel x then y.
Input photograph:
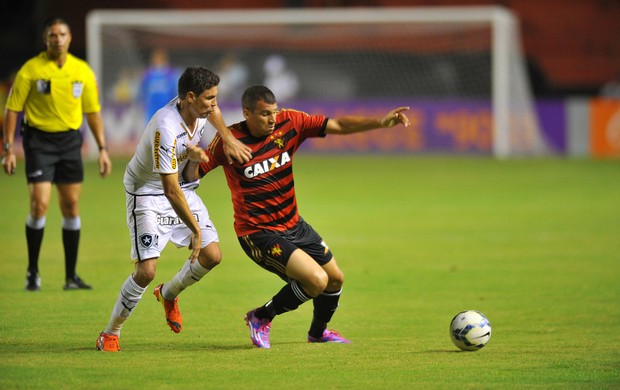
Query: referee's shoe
{"type": "Point", "coordinates": [33, 281]}
{"type": "Point", "coordinates": [76, 283]}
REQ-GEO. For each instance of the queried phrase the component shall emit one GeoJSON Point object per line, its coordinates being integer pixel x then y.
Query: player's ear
{"type": "Point", "coordinates": [190, 97]}
{"type": "Point", "coordinates": [246, 113]}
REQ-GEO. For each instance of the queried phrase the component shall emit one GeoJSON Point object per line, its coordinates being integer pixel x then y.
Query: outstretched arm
{"type": "Point", "coordinates": [233, 148]}
{"type": "Point", "coordinates": [357, 124]}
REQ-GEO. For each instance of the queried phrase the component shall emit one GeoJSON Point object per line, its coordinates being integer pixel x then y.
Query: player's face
{"type": "Point", "coordinates": [262, 120]}
{"type": "Point", "coordinates": [204, 104]}
{"type": "Point", "coordinates": [57, 40]}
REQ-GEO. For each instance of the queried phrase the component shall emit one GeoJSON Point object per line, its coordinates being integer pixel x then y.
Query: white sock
{"type": "Point", "coordinates": [71, 223]}
{"type": "Point", "coordinates": [189, 274]}
{"type": "Point", "coordinates": [36, 224]}
{"type": "Point", "coordinates": [128, 299]}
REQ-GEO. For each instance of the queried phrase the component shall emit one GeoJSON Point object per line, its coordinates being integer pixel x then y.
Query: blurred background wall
{"type": "Point", "coordinates": [572, 45]}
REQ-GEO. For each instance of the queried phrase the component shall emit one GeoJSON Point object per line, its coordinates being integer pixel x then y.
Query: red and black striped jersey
{"type": "Point", "coordinates": [263, 190]}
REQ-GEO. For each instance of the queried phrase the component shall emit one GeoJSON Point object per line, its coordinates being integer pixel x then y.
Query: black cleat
{"type": "Point", "coordinates": [76, 283]}
{"type": "Point", "coordinates": [33, 281]}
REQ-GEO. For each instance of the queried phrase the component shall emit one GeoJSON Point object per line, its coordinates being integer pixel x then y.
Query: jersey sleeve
{"type": "Point", "coordinates": [310, 126]}
{"type": "Point", "coordinates": [19, 92]}
{"type": "Point", "coordinates": [215, 153]}
{"type": "Point", "coordinates": [90, 98]}
{"type": "Point", "coordinates": [164, 152]}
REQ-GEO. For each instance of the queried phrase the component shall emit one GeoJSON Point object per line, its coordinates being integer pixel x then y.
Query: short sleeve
{"type": "Point", "coordinates": [164, 152]}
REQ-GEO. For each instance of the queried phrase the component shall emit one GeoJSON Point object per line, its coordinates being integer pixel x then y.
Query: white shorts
{"type": "Point", "coordinates": [153, 222]}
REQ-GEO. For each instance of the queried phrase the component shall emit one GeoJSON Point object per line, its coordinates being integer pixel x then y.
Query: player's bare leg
{"type": "Point", "coordinates": [325, 305]}
{"type": "Point", "coordinates": [191, 272]}
{"type": "Point", "coordinates": [308, 281]}
{"type": "Point", "coordinates": [128, 298]}
{"type": "Point", "coordinates": [69, 200]}
{"type": "Point", "coordinates": [39, 196]}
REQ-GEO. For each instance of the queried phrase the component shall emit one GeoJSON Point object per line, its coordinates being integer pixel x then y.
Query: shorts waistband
{"type": "Point", "coordinates": [26, 126]}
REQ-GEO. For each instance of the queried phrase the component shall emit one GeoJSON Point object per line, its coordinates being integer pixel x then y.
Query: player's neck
{"type": "Point", "coordinates": [188, 118]}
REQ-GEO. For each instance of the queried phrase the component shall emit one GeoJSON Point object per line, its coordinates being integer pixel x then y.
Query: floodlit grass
{"type": "Point", "coordinates": [533, 244]}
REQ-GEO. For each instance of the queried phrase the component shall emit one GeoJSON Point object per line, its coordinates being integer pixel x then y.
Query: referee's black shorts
{"type": "Point", "coordinates": [53, 156]}
{"type": "Point", "coordinates": [272, 249]}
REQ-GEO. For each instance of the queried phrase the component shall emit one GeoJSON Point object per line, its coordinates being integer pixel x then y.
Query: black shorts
{"type": "Point", "coordinates": [272, 249]}
{"type": "Point", "coordinates": [53, 157]}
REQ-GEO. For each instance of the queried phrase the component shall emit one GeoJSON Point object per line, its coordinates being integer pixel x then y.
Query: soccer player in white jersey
{"type": "Point", "coordinates": [161, 207]}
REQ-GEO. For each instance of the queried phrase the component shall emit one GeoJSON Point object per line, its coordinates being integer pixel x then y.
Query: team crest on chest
{"type": "Point", "coordinates": [277, 139]}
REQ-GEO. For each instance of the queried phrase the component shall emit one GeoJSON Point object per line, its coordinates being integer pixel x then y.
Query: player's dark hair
{"type": "Point", "coordinates": [256, 93]}
{"type": "Point", "coordinates": [49, 22]}
{"type": "Point", "coordinates": [196, 79]}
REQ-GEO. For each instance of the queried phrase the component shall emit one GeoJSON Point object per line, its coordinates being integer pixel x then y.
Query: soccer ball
{"type": "Point", "coordinates": [470, 330]}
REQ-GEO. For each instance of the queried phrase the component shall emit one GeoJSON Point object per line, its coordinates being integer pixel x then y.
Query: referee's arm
{"type": "Point", "coordinates": [95, 123]}
{"type": "Point", "coordinates": [8, 153]}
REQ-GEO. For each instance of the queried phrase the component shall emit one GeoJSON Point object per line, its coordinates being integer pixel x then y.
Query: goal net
{"type": "Point", "coordinates": [460, 69]}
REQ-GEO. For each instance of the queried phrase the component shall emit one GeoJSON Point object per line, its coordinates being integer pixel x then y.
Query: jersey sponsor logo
{"type": "Point", "coordinates": [156, 145]}
{"type": "Point", "coordinates": [44, 87]}
{"type": "Point", "coordinates": [78, 87]}
{"type": "Point", "coordinates": [148, 240]}
{"type": "Point", "coordinates": [173, 153]}
{"type": "Point", "coordinates": [267, 165]}
{"type": "Point", "coordinates": [164, 220]}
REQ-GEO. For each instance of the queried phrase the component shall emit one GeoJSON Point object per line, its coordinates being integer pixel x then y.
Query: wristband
{"type": "Point", "coordinates": [102, 148]}
{"type": "Point", "coordinates": [6, 147]}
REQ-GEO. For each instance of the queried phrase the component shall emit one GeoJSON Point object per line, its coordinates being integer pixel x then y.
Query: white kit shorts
{"type": "Point", "coordinates": [153, 222]}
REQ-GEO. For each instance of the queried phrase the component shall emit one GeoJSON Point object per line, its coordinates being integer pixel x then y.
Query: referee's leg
{"type": "Point", "coordinates": [69, 198]}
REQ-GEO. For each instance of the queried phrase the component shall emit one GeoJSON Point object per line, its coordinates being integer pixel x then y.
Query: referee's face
{"type": "Point", "coordinates": [57, 40]}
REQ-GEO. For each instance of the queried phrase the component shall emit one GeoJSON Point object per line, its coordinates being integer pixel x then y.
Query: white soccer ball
{"type": "Point", "coordinates": [470, 330]}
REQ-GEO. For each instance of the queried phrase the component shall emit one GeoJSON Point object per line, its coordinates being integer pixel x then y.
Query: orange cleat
{"type": "Point", "coordinates": [108, 343]}
{"type": "Point", "coordinates": [173, 315]}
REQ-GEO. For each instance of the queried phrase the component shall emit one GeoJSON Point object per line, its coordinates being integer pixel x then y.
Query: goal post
{"type": "Point", "coordinates": [421, 56]}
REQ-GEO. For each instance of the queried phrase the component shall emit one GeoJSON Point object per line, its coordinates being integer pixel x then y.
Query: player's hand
{"type": "Point", "coordinates": [395, 117]}
{"type": "Point", "coordinates": [196, 154]}
{"type": "Point", "coordinates": [195, 245]}
{"type": "Point", "coordinates": [235, 149]}
{"type": "Point", "coordinates": [9, 163]}
{"type": "Point", "coordinates": [105, 165]}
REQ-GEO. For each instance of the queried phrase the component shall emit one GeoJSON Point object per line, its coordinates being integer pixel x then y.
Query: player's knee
{"type": "Point", "coordinates": [210, 258]}
{"type": "Point", "coordinates": [38, 209]}
{"type": "Point", "coordinates": [145, 272]}
{"type": "Point", "coordinates": [335, 281]}
{"type": "Point", "coordinates": [316, 283]}
{"type": "Point", "coordinates": [144, 277]}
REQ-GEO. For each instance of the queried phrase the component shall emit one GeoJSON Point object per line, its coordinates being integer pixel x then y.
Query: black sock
{"type": "Point", "coordinates": [71, 241]}
{"type": "Point", "coordinates": [34, 237]}
{"type": "Point", "coordinates": [324, 307]}
{"type": "Point", "coordinates": [287, 299]}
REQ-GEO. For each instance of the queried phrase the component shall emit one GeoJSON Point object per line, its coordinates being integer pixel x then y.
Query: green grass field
{"type": "Point", "coordinates": [533, 244]}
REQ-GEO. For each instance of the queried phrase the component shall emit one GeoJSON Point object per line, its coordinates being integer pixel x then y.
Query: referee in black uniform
{"type": "Point", "coordinates": [54, 90]}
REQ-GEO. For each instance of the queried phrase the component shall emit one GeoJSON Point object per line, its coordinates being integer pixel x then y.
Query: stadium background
{"type": "Point", "coordinates": [571, 47]}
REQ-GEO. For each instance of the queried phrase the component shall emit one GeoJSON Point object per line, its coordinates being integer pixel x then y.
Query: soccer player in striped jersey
{"type": "Point", "coordinates": [268, 226]}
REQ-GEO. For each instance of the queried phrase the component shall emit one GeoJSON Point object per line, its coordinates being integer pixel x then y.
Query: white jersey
{"type": "Point", "coordinates": [162, 149]}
